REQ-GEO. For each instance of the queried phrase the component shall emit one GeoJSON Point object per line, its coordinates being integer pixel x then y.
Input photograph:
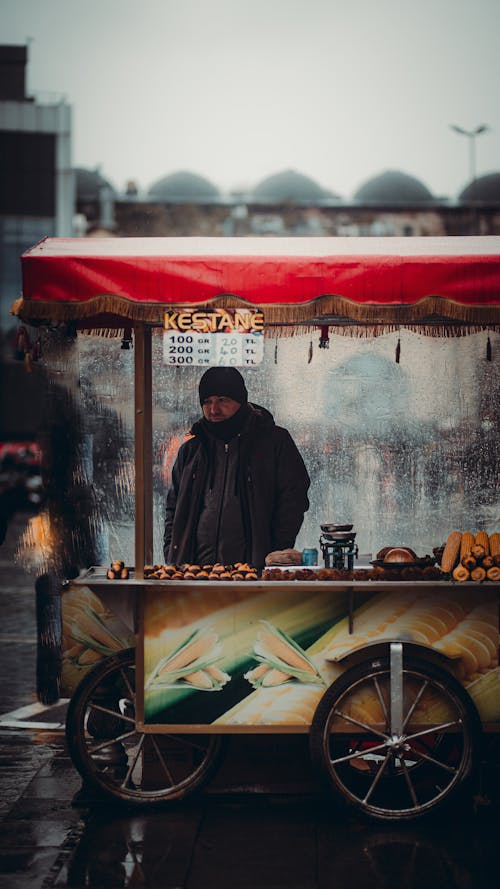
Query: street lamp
{"type": "Point", "coordinates": [471, 135]}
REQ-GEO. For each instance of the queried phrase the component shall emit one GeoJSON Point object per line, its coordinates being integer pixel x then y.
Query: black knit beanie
{"type": "Point", "coordinates": [223, 381]}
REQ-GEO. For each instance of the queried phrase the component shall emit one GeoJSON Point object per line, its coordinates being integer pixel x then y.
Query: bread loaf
{"type": "Point", "coordinates": [399, 554]}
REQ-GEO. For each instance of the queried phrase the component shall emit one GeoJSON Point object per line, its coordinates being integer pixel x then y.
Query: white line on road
{"type": "Point", "coordinates": [20, 718]}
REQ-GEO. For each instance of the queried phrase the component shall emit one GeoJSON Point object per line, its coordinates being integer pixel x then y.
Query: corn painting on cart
{"type": "Point", "coordinates": [395, 682]}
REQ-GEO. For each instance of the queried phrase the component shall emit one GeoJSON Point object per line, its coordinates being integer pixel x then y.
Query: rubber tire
{"type": "Point", "coordinates": [471, 733]}
{"type": "Point", "coordinates": [78, 743]}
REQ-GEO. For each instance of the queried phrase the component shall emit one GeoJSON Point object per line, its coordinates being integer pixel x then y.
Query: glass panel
{"type": "Point", "coordinates": [406, 451]}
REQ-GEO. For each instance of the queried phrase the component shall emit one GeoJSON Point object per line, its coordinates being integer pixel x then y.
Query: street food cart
{"type": "Point", "coordinates": [391, 668]}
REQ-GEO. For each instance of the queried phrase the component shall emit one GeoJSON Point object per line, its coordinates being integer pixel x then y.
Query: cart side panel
{"type": "Point", "coordinates": [94, 626]}
{"type": "Point", "coordinates": [461, 623]}
{"type": "Point", "coordinates": [271, 653]}
{"type": "Point", "coordinates": [209, 648]}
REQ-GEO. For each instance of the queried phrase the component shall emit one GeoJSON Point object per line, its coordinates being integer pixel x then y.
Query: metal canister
{"type": "Point", "coordinates": [310, 556]}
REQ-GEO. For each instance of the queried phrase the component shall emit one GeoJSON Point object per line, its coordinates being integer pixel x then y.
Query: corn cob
{"type": "Point", "coordinates": [493, 573]}
{"type": "Point", "coordinates": [466, 544]}
{"type": "Point", "coordinates": [460, 573]}
{"type": "Point", "coordinates": [199, 679]}
{"type": "Point", "coordinates": [478, 552]}
{"type": "Point", "coordinates": [451, 552]}
{"type": "Point", "coordinates": [195, 647]}
{"type": "Point", "coordinates": [275, 677]}
{"type": "Point", "coordinates": [495, 544]}
{"type": "Point", "coordinates": [482, 539]}
{"type": "Point", "coordinates": [478, 574]}
{"type": "Point", "coordinates": [276, 646]}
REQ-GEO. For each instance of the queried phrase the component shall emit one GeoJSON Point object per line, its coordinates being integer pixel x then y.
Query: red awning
{"type": "Point", "coordinates": [294, 280]}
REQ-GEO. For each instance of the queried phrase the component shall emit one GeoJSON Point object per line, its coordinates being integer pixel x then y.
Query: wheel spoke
{"type": "Point", "coordinates": [381, 700]}
{"type": "Point", "coordinates": [94, 748]}
{"type": "Point", "coordinates": [359, 755]}
{"type": "Point", "coordinates": [367, 728]}
{"type": "Point", "coordinates": [163, 764]}
{"type": "Point", "coordinates": [110, 712]}
{"type": "Point", "coordinates": [415, 703]}
{"type": "Point", "coordinates": [378, 776]}
{"type": "Point", "coordinates": [130, 688]}
{"type": "Point", "coordinates": [435, 762]}
{"type": "Point", "coordinates": [132, 765]}
{"type": "Point", "coordinates": [409, 782]}
{"type": "Point", "coordinates": [434, 728]}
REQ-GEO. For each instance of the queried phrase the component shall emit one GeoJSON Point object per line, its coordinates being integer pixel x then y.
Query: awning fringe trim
{"type": "Point", "coordinates": [429, 309]}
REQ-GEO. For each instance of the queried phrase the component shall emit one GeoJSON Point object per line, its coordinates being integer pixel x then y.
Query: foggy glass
{"type": "Point", "coordinates": [405, 451]}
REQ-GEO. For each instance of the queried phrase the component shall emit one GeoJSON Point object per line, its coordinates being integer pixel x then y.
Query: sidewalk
{"type": "Point", "coordinates": [228, 841]}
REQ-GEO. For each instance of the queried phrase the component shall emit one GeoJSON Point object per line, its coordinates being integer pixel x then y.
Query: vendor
{"type": "Point", "coordinates": [239, 485]}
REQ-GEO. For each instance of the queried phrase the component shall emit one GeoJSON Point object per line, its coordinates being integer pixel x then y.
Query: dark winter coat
{"type": "Point", "coordinates": [265, 472]}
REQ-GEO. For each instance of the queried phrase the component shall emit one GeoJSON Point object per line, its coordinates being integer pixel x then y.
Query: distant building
{"type": "Point", "coordinates": [392, 203]}
{"type": "Point", "coordinates": [94, 201]}
{"type": "Point", "coordinates": [36, 177]}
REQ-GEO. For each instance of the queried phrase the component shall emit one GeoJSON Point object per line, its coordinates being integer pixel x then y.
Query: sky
{"type": "Point", "coordinates": [236, 90]}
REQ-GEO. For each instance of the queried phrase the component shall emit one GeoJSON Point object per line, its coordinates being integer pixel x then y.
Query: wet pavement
{"type": "Point", "coordinates": [243, 831]}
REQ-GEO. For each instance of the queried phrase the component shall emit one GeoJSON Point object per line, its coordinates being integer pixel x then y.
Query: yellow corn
{"type": "Point", "coordinates": [199, 679]}
{"type": "Point", "coordinates": [282, 650]}
{"type": "Point", "coordinates": [466, 543]}
{"type": "Point", "coordinates": [495, 544]}
{"type": "Point", "coordinates": [191, 652]}
{"type": "Point", "coordinates": [451, 552]}
{"type": "Point", "coordinates": [460, 573]}
{"type": "Point", "coordinates": [482, 539]}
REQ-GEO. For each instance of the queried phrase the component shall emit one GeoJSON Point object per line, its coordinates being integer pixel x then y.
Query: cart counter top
{"type": "Point", "coordinates": [96, 578]}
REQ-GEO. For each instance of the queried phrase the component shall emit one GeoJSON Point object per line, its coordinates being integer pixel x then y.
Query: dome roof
{"type": "Point", "coordinates": [89, 184]}
{"type": "Point", "coordinates": [393, 187]}
{"type": "Point", "coordinates": [183, 187]}
{"type": "Point", "coordinates": [289, 186]}
{"type": "Point", "coordinates": [485, 189]}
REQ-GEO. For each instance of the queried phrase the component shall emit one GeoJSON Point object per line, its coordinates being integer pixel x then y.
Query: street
{"type": "Point", "coordinates": [261, 822]}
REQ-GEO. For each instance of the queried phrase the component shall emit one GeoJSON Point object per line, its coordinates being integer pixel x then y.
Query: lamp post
{"type": "Point", "coordinates": [471, 136]}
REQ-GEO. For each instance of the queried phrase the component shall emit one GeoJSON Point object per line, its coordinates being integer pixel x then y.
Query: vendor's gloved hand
{"type": "Point", "coordinates": [284, 557]}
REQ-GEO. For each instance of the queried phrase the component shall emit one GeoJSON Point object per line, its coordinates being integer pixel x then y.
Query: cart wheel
{"type": "Point", "coordinates": [396, 744]}
{"type": "Point", "coordinates": [114, 757]}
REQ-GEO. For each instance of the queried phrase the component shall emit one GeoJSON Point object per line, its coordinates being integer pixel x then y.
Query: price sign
{"type": "Point", "coordinates": [220, 337]}
{"type": "Point", "coordinates": [238, 350]}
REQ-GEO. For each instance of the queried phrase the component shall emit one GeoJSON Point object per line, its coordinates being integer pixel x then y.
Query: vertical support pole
{"type": "Point", "coordinates": [143, 449]}
{"type": "Point", "coordinates": [396, 661]}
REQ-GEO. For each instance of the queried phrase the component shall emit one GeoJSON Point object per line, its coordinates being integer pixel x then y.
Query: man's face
{"type": "Point", "coordinates": [219, 407]}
